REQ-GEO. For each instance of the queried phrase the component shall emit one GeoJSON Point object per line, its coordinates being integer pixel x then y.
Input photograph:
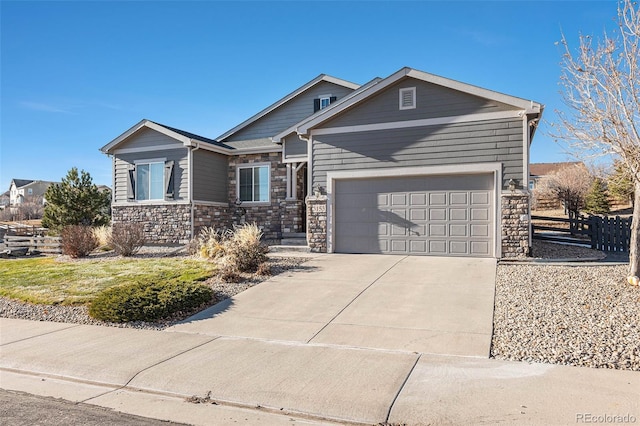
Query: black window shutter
{"type": "Point", "coordinates": [168, 180]}
{"type": "Point", "coordinates": [332, 99]}
{"type": "Point", "coordinates": [316, 105]}
{"type": "Point", "coordinates": [131, 182]}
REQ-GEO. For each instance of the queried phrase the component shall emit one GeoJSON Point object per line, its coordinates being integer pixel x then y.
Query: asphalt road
{"type": "Point", "coordinates": [22, 409]}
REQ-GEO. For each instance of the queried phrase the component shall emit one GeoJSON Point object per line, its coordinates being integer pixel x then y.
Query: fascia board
{"type": "Point", "coordinates": [151, 125]}
{"type": "Point", "coordinates": [528, 105]}
{"type": "Point", "coordinates": [287, 98]}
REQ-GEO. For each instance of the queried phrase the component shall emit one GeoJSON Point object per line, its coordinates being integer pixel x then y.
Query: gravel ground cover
{"type": "Point", "coordinates": [573, 315]}
{"type": "Point", "coordinates": [10, 308]}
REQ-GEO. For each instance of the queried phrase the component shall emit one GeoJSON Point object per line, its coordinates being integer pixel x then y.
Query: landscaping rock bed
{"type": "Point", "coordinates": [573, 315]}
{"type": "Point", "coordinates": [10, 308]}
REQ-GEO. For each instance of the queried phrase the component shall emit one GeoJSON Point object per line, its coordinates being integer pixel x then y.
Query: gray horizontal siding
{"type": "Point", "coordinates": [180, 170]}
{"type": "Point", "coordinates": [210, 176]}
{"type": "Point", "coordinates": [294, 146]}
{"type": "Point", "coordinates": [288, 114]}
{"type": "Point", "coordinates": [463, 143]}
{"type": "Point", "coordinates": [147, 137]}
{"type": "Point", "coordinates": [431, 101]}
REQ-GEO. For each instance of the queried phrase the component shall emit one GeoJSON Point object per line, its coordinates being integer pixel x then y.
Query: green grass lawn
{"type": "Point", "coordinates": [46, 281]}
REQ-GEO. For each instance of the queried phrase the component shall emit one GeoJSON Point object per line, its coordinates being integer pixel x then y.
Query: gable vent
{"type": "Point", "coordinates": [408, 98]}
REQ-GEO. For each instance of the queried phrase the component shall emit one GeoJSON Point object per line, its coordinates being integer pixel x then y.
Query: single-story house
{"type": "Point", "coordinates": [27, 190]}
{"type": "Point", "coordinates": [538, 171]}
{"type": "Point", "coordinates": [412, 163]}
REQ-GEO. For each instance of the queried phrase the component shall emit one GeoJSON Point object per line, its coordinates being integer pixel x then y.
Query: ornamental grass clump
{"type": "Point", "coordinates": [103, 235]}
{"type": "Point", "coordinates": [234, 251]}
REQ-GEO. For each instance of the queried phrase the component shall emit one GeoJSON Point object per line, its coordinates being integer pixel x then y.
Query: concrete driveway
{"type": "Point", "coordinates": [431, 305]}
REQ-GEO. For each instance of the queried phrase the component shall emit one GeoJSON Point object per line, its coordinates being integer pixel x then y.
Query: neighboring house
{"type": "Point", "coordinates": [4, 199]}
{"type": "Point", "coordinates": [410, 164]}
{"type": "Point", "coordinates": [26, 190]}
{"type": "Point", "coordinates": [538, 171]}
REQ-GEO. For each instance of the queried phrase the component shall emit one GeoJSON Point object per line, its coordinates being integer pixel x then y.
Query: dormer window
{"type": "Point", "coordinates": [408, 98]}
{"type": "Point", "coordinates": [323, 101]}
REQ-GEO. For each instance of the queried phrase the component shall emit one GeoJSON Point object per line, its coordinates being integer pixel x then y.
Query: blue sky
{"type": "Point", "coordinates": [75, 75]}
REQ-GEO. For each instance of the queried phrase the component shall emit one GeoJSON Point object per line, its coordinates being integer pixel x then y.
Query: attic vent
{"type": "Point", "coordinates": [408, 98]}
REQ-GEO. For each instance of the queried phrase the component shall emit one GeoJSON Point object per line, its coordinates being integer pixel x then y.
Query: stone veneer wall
{"type": "Point", "coordinates": [163, 223]}
{"type": "Point", "coordinates": [317, 223]}
{"type": "Point", "coordinates": [515, 225]}
{"type": "Point", "coordinates": [279, 216]}
{"type": "Point", "coordinates": [218, 217]}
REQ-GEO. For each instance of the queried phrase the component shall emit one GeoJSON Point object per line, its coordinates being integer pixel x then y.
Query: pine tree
{"type": "Point", "coordinates": [597, 200]}
{"type": "Point", "coordinates": [620, 183]}
{"type": "Point", "coordinates": [75, 201]}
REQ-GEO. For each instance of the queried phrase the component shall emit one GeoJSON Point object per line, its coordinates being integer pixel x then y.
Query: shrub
{"type": "Point", "coordinates": [103, 235]}
{"type": "Point", "coordinates": [148, 302]}
{"type": "Point", "coordinates": [78, 240]}
{"type": "Point", "coordinates": [244, 249]}
{"type": "Point", "coordinates": [127, 238]}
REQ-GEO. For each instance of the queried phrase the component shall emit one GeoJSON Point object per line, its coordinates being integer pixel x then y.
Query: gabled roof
{"type": "Point", "coordinates": [278, 138]}
{"type": "Point", "coordinates": [302, 89]}
{"type": "Point", "coordinates": [22, 182]}
{"type": "Point", "coordinates": [543, 169]}
{"type": "Point", "coordinates": [530, 107]}
{"type": "Point", "coordinates": [186, 138]}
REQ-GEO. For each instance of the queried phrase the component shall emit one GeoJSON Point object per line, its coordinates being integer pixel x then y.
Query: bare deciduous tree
{"type": "Point", "coordinates": [570, 185]}
{"type": "Point", "coordinates": [601, 89]}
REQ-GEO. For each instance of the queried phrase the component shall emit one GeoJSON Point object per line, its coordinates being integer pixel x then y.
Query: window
{"type": "Point", "coordinates": [323, 101]}
{"type": "Point", "coordinates": [150, 181]}
{"type": "Point", "coordinates": [30, 191]}
{"type": "Point", "coordinates": [408, 98]}
{"type": "Point", "coordinates": [253, 183]}
{"type": "Point", "coordinates": [532, 184]}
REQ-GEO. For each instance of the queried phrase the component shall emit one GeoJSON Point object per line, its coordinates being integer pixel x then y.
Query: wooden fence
{"type": "Point", "coordinates": [32, 243]}
{"type": "Point", "coordinates": [600, 233]}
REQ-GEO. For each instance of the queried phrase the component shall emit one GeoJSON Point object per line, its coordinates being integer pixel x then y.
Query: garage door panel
{"type": "Point", "coordinates": [423, 215]}
{"type": "Point", "coordinates": [438, 199]}
{"type": "Point", "coordinates": [480, 248]}
{"type": "Point", "coordinates": [480, 198]}
{"type": "Point", "coordinates": [458, 247]}
{"type": "Point", "coordinates": [458, 198]}
{"type": "Point", "coordinates": [458, 231]}
{"type": "Point", "coordinates": [479, 214]}
{"type": "Point", "coordinates": [458, 214]}
{"type": "Point", "coordinates": [437, 214]}
{"type": "Point", "coordinates": [437, 247]}
{"type": "Point", "coordinates": [479, 230]}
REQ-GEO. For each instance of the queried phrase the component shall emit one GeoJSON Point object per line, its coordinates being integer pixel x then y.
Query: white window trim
{"type": "Point", "coordinates": [327, 97]}
{"type": "Point", "coordinates": [413, 95]}
{"type": "Point", "coordinates": [251, 166]}
{"type": "Point", "coordinates": [150, 161]}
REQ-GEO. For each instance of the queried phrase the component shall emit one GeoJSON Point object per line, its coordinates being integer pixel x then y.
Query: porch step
{"type": "Point", "coordinates": [294, 239]}
{"type": "Point", "coordinates": [287, 248]}
{"type": "Point", "coordinates": [294, 235]}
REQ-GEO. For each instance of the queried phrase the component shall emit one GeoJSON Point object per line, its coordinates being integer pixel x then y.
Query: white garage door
{"type": "Point", "coordinates": [449, 215]}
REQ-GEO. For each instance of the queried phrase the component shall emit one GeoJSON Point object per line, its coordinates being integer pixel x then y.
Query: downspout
{"type": "Point", "coordinates": [191, 203]}
{"type": "Point", "coordinates": [531, 124]}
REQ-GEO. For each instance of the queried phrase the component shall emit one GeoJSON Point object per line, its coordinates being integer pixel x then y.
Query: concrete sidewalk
{"type": "Point", "coordinates": [150, 373]}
